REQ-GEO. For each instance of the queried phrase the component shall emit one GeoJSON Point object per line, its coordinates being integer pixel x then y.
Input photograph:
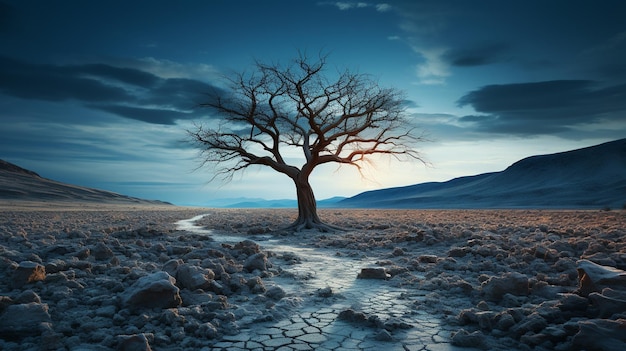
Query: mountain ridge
{"type": "Point", "coordinates": [590, 177]}
{"type": "Point", "coordinates": [20, 184]}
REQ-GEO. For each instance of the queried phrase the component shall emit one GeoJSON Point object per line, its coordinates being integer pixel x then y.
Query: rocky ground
{"type": "Point", "coordinates": [129, 280]}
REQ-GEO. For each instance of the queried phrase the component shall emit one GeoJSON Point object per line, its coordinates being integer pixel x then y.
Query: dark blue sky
{"type": "Point", "coordinates": [100, 93]}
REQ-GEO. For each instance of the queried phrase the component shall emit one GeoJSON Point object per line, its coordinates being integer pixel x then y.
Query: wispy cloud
{"type": "Point", "coordinates": [169, 69]}
{"type": "Point", "coordinates": [383, 7]}
{"type": "Point", "coordinates": [434, 70]}
{"type": "Point", "coordinates": [349, 5]}
{"type": "Point", "coordinates": [126, 92]}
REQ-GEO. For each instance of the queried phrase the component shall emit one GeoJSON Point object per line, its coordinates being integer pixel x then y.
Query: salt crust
{"type": "Point", "coordinates": [452, 255]}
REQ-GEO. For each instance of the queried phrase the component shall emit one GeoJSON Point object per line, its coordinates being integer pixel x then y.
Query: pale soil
{"type": "Point", "coordinates": [449, 253]}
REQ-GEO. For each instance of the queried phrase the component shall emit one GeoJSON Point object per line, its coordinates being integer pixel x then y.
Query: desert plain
{"type": "Point", "coordinates": [112, 277]}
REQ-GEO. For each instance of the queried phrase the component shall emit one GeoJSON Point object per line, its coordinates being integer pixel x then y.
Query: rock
{"type": "Point", "coordinates": [351, 315]}
{"type": "Point", "coordinates": [83, 254]}
{"type": "Point", "coordinates": [383, 335]}
{"type": "Point", "coordinates": [24, 319]}
{"type": "Point", "coordinates": [600, 334]}
{"type": "Point", "coordinates": [101, 252]}
{"type": "Point", "coordinates": [28, 296]}
{"type": "Point", "coordinates": [217, 288]}
{"type": "Point", "coordinates": [208, 330]}
{"type": "Point", "coordinates": [27, 272]}
{"type": "Point", "coordinates": [5, 302]}
{"type": "Point", "coordinates": [428, 258]}
{"type": "Point", "coordinates": [194, 277]}
{"type": "Point", "coordinates": [373, 273]}
{"type": "Point", "coordinates": [275, 292]}
{"type": "Point", "coordinates": [137, 342]}
{"type": "Point", "coordinates": [464, 338]}
{"type": "Point", "coordinates": [256, 261]}
{"type": "Point", "coordinates": [459, 251]}
{"type": "Point", "coordinates": [616, 294]}
{"type": "Point", "coordinates": [157, 290]}
{"type": "Point", "coordinates": [545, 253]}
{"type": "Point", "coordinates": [533, 339]}
{"type": "Point", "coordinates": [505, 321]}
{"type": "Point", "coordinates": [398, 251]}
{"type": "Point", "coordinates": [486, 319]}
{"type": "Point", "coordinates": [171, 267]}
{"type": "Point", "coordinates": [509, 283]}
{"type": "Point", "coordinates": [572, 302]}
{"type": "Point", "coordinates": [394, 324]}
{"type": "Point", "coordinates": [55, 266]}
{"type": "Point", "coordinates": [247, 247]}
{"type": "Point", "coordinates": [256, 285]}
{"type": "Point", "coordinates": [325, 292]}
{"type": "Point", "coordinates": [606, 305]}
{"type": "Point", "coordinates": [557, 332]}
{"type": "Point", "coordinates": [548, 291]}
{"type": "Point", "coordinates": [594, 277]}
{"type": "Point", "coordinates": [533, 323]}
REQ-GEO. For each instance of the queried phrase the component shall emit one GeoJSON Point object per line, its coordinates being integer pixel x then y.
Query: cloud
{"type": "Point", "coordinates": [170, 69]}
{"type": "Point", "coordinates": [150, 115]}
{"type": "Point", "coordinates": [349, 5]}
{"type": "Point", "coordinates": [434, 70]}
{"type": "Point", "coordinates": [477, 56]}
{"type": "Point", "coordinates": [126, 92]}
{"type": "Point", "coordinates": [544, 107]}
{"type": "Point", "coordinates": [383, 7]}
{"type": "Point", "coordinates": [53, 83]}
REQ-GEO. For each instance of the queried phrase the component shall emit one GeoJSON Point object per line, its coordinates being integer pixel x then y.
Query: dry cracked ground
{"type": "Point", "coordinates": [134, 279]}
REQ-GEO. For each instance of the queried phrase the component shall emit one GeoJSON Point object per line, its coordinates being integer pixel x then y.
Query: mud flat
{"type": "Point", "coordinates": [132, 279]}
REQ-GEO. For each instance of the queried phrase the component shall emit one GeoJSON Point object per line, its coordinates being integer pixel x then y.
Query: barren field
{"type": "Point", "coordinates": [133, 279]}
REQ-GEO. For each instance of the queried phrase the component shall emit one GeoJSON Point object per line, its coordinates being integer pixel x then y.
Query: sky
{"type": "Point", "coordinates": [101, 93]}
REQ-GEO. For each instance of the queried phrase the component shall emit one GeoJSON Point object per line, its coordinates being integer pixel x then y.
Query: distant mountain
{"type": "Point", "coordinates": [243, 202]}
{"type": "Point", "coordinates": [592, 177]}
{"type": "Point", "coordinates": [19, 184]}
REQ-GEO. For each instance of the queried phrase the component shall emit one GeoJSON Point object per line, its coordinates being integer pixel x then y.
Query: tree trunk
{"type": "Point", "coordinates": [307, 208]}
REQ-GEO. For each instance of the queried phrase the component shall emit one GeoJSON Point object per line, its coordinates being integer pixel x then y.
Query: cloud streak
{"type": "Point", "coordinates": [126, 92]}
{"type": "Point", "coordinates": [544, 107]}
{"type": "Point", "coordinates": [349, 5]}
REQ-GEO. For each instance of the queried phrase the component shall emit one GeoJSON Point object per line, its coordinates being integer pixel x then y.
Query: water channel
{"type": "Point", "coordinates": [314, 325]}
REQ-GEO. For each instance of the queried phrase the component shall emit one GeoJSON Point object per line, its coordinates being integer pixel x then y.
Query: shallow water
{"type": "Point", "coordinates": [314, 324]}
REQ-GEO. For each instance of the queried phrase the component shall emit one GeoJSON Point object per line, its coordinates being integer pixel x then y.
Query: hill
{"type": "Point", "coordinates": [19, 184]}
{"type": "Point", "coordinates": [591, 177]}
{"type": "Point", "coordinates": [243, 202]}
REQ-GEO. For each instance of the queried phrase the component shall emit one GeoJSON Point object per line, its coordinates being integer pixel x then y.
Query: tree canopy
{"type": "Point", "coordinates": [273, 110]}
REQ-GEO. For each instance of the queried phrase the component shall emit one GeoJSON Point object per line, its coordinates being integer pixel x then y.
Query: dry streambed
{"type": "Point", "coordinates": [125, 279]}
{"type": "Point", "coordinates": [506, 279]}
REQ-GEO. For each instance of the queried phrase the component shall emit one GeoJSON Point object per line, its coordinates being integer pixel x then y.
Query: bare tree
{"type": "Point", "coordinates": [344, 120]}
